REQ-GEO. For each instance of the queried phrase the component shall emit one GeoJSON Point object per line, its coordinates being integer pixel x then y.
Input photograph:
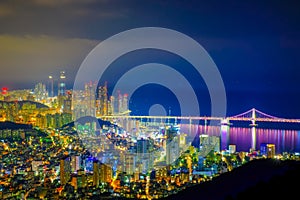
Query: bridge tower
{"type": "Point", "coordinates": [205, 126]}
{"type": "Point", "coordinates": [253, 129]}
{"type": "Point", "coordinates": [224, 132]}
{"type": "Point", "coordinates": [190, 126]}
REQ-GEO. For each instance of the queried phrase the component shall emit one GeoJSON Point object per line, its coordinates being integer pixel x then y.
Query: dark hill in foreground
{"type": "Point", "coordinates": [258, 179]}
{"type": "Point", "coordinates": [14, 126]}
{"type": "Point", "coordinates": [88, 119]}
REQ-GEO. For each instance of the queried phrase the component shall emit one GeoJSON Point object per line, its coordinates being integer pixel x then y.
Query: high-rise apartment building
{"type": "Point", "coordinates": [105, 173]}
{"type": "Point", "coordinates": [65, 169]}
{"type": "Point", "coordinates": [40, 93]}
{"type": "Point", "coordinates": [96, 173]}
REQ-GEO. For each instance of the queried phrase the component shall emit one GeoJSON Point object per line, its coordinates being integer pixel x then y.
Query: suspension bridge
{"type": "Point", "coordinates": [253, 115]}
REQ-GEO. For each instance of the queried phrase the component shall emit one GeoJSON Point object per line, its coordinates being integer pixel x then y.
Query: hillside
{"type": "Point", "coordinates": [264, 178]}
{"type": "Point", "coordinates": [13, 125]}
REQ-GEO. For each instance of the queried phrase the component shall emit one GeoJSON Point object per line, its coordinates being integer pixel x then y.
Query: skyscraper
{"type": "Point", "coordinates": [172, 145]}
{"type": "Point", "coordinates": [61, 89]}
{"type": "Point", "coordinates": [144, 156]}
{"type": "Point", "coordinates": [122, 104]}
{"type": "Point", "coordinates": [40, 92]}
{"type": "Point", "coordinates": [75, 163]}
{"type": "Point", "coordinates": [96, 173]}
{"type": "Point", "coordinates": [67, 102]}
{"type": "Point", "coordinates": [142, 145]}
{"type": "Point", "coordinates": [65, 169]}
{"type": "Point", "coordinates": [129, 163]}
{"type": "Point", "coordinates": [51, 87]}
{"type": "Point", "coordinates": [62, 84]}
{"type": "Point", "coordinates": [105, 173]}
{"type": "Point", "coordinates": [90, 98]}
{"type": "Point", "coordinates": [102, 100]}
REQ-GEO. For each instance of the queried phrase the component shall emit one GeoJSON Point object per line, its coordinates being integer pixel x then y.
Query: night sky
{"type": "Point", "coordinates": [254, 44]}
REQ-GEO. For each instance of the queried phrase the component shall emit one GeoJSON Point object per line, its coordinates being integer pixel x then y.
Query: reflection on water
{"type": "Point", "coordinates": [246, 138]}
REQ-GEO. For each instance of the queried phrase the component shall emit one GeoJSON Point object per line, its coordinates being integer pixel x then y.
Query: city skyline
{"type": "Point", "coordinates": [254, 45]}
{"type": "Point", "coordinates": [163, 99]}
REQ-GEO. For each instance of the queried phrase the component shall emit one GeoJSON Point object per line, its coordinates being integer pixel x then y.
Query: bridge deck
{"type": "Point", "coordinates": [203, 118]}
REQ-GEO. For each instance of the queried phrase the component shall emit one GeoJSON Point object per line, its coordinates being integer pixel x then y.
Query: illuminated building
{"type": "Point", "coordinates": [270, 150]}
{"type": "Point", "coordinates": [67, 105]}
{"type": "Point", "coordinates": [74, 181]}
{"type": "Point", "coordinates": [201, 160]}
{"type": "Point", "coordinates": [105, 173]}
{"type": "Point", "coordinates": [40, 93]}
{"type": "Point", "coordinates": [122, 104]}
{"type": "Point", "coordinates": [208, 143]}
{"type": "Point", "coordinates": [171, 145]}
{"type": "Point", "coordinates": [61, 89]}
{"type": "Point", "coordinates": [30, 97]}
{"type": "Point", "coordinates": [65, 169]}
{"type": "Point", "coordinates": [105, 105]}
{"type": "Point", "coordinates": [35, 165]}
{"type": "Point", "coordinates": [102, 100]}
{"type": "Point", "coordinates": [263, 149]}
{"type": "Point", "coordinates": [12, 134]}
{"type": "Point", "coordinates": [96, 173]}
{"type": "Point", "coordinates": [51, 87]}
{"type": "Point", "coordinates": [4, 91]}
{"type": "Point", "coordinates": [75, 163]}
{"type": "Point", "coordinates": [144, 157]}
{"type": "Point", "coordinates": [267, 150]}
{"type": "Point", "coordinates": [183, 142]}
{"type": "Point", "coordinates": [125, 103]}
{"type": "Point", "coordinates": [129, 163]}
{"type": "Point", "coordinates": [143, 146]}
{"type": "Point", "coordinates": [111, 109]}
{"type": "Point", "coordinates": [232, 148]}
{"type": "Point", "coordinates": [62, 84]}
{"type": "Point", "coordinates": [89, 164]}
{"type": "Point", "coordinates": [78, 180]}
{"type": "Point", "coordinates": [41, 121]}
{"type": "Point", "coordinates": [89, 98]}
{"type": "Point", "coordinates": [57, 120]}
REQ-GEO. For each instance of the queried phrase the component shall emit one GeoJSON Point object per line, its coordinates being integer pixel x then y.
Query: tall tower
{"type": "Point", "coordinates": [51, 87]}
{"type": "Point", "coordinates": [102, 100]}
{"type": "Point", "coordinates": [253, 129]}
{"type": "Point", "coordinates": [62, 84]}
{"type": "Point", "coordinates": [172, 145]}
{"type": "Point", "coordinates": [105, 100]}
{"type": "Point", "coordinates": [61, 89]}
{"type": "Point", "coordinates": [90, 98]}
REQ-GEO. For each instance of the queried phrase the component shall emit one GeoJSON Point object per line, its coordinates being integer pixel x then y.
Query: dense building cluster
{"type": "Point", "coordinates": [46, 154]}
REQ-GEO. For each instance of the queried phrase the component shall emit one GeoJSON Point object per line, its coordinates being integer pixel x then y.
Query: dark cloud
{"type": "Point", "coordinates": [255, 44]}
{"type": "Point", "coordinates": [60, 18]}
